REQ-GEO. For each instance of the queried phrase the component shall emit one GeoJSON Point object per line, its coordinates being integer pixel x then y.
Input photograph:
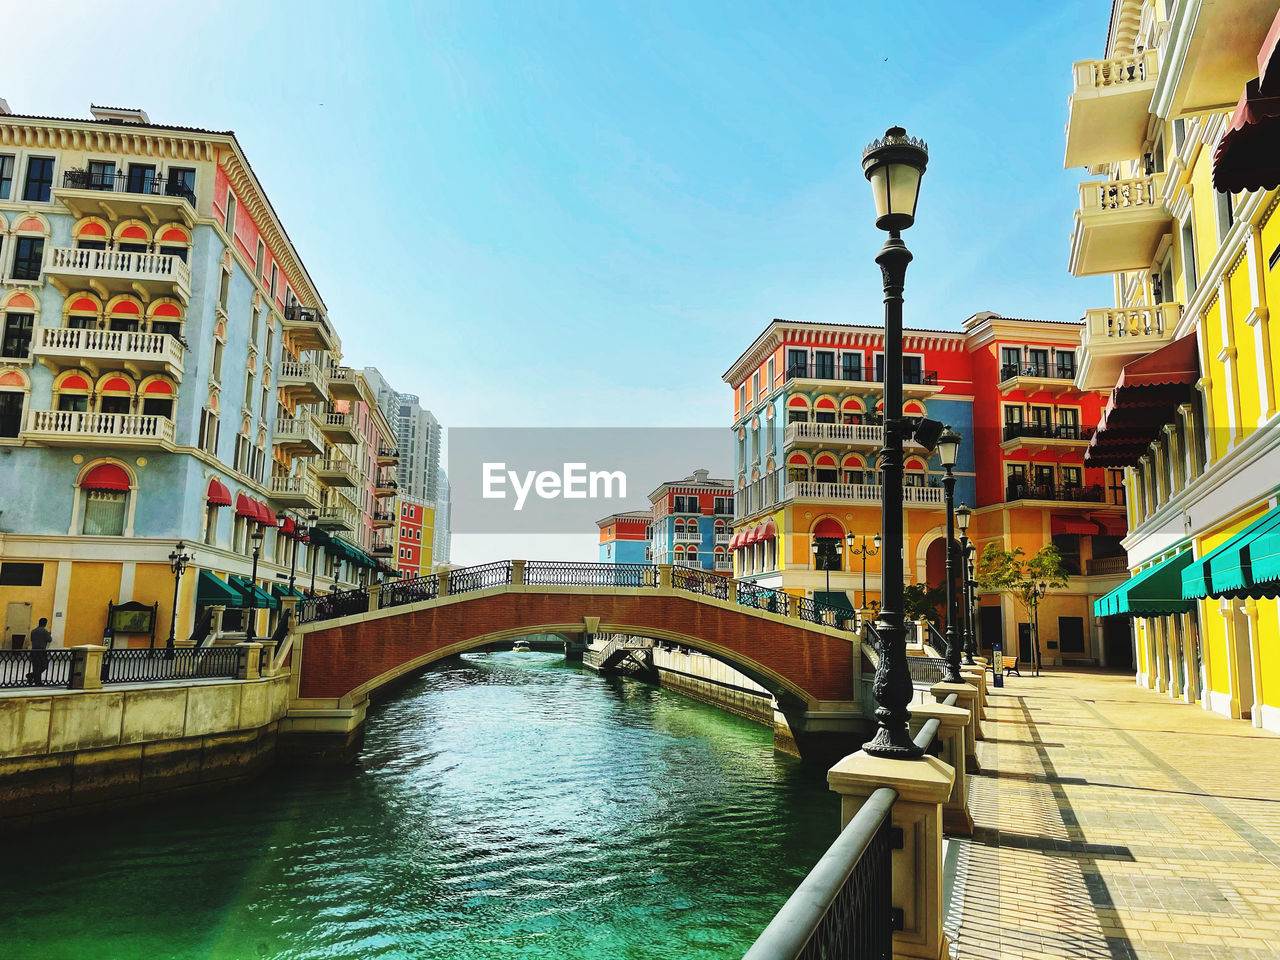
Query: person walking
{"type": "Point", "coordinates": [40, 640]}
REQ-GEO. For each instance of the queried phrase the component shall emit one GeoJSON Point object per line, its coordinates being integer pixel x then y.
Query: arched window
{"type": "Point", "coordinates": [124, 314]}
{"type": "Point", "coordinates": [914, 475]}
{"type": "Point", "coordinates": [828, 538]}
{"type": "Point", "coordinates": [691, 557]}
{"type": "Point", "coordinates": [798, 410]}
{"type": "Point", "coordinates": [17, 325]}
{"type": "Point", "coordinates": [105, 491]}
{"type": "Point", "coordinates": [852, 410]}
{"type": "Point", "coordinates": [133, 236]}
{"type": "Point", "coordinates": [14, 387]}
{"type": "Point", "coordinates": [824, 411]}
{"type": "Point", "coordinates": [90, 233]}
{"type": "Point", "coordinates": [71, 391]}
{"type": "Point", "coordinates": [28, 249]}
{"type": "Point", "coordinates": [82, 312]}
{"type": "Point", "coordinates": [797, 468]}
{"type": "Point", "coordinates": [173, 241]}
{"type": "Point", "coordinates": [115, 394]}
{"type": "Point", "coordinates": [157, 398]}
{"type": "Point", "coordinates": [825, 470]}
{"type": "Point", "coordinates": [165, 316]}
{"type": "Point", "coordinates": [853, 469]}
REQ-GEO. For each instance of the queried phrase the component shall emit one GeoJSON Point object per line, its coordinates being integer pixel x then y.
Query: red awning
{"type": "Point", "coordinates": [1111, 524]}
{"type": "Point", "coordinates": [736, 540]}
{"type": "Point", "coordinates": [1076, 525]}
{"type": "Point", "coordinates": [1268, 62]}
{"type": "Point", "coordinates": [288, 527]}
{"type": "Point", "coordinates": [1145, 398]}
{"type": "Point", "coordinates": [1248, 154]}
{"type": "Point", "coordinates": [756, 531]}
{"type": "Point", "coordinates": [246, 507]}
{"type": "Point", "coordinates": [265, 514]}
{"type": "Point", "coordinates": [218, 494]}
{"type": "Point", "coordinates": [106, 476]}
{"type": "Point", "coordinates": [770, 530]}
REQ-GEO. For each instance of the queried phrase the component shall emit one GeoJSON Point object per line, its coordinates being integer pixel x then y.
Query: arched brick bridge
{"type": "Point", "coordinates": [346, 646]}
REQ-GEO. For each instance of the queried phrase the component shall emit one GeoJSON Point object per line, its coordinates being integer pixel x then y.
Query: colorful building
{"type": "Point", "coordinates": [1175, 125]}
{"type": "Point", "coordinates": [691, 522]}
{"type": "Point", "coordinates": [624, 537]}
{"type": "Point", "coordinates": [146, 285]}
{"type": "Point", "coordinates": [414, 536]}
{"type": "Point", "coordinates": [808, 427]}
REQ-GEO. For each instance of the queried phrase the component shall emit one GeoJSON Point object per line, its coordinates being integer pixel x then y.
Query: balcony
{"type": "Point", "coordinates": [1037, 437]}
{"type": "Point", "coordinates": [338, 427]}
{"type": "Point", "coordinates": [1218, 44]}
{"type": "Point", "coordinates": [383, 519]}
{"type": "Point", "coordinates": [868, 493]}
{"type": "Point", "coordinates": [1050, 493]}
{"type": "Point", "coordinates": [300, 491]}
{"type": "Point", "coordinates": [388, 456]}
{"type": "Point", "coordinates": [1037, 378]}
{"type": "Point", "coordinates": [381, 548]}
{"type": "Point", "coordinates": [336, 472]}
{"type": "Point", "coordinates": [68, 428]}
{"type": "Point", "coordinates": [724, 566]}
{"type": "Point", "coordinates": [344, 383]}
{"type": "Point", "coordinates": [1108, 108]}
{"type": "Point", "coordinates": [109, 272]}
{"type": "Point", "coordinates": [685, 536]}
{"type": "Point", "coordinates": [1107, 567]}
{"type": "Point", "coordinates": [309, 330]}
{"type": "Point", "coordinates": [385, 487]}
{"type": "Point", "coordinates": [913, 381]}
{"type": "Point", "coordinates": [337, 518]}
{"type": "Point", "coordinates": [119, 197]}
{"type": "Point", "coordinates": [853, 434]}
{"type": "Point", "coordinates": [60, 348]}
{"type": "Point", "coordinates": [303, 382]}
{"type": "Point", "coordinates": [723, 537]}
{"type": "Point", "coordinates": [1119, 225]}
{"type": "Point", "coordinates": [1115, 335]}
{"type": "Point", "coordinates": [299, 437]}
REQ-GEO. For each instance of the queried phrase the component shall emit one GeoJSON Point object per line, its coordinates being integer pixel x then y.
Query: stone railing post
{"type": "Point", "coordinates": [664, 576]}
{"type": "Point", "coordinates": [978, 677]}
{"type": "Point", "coordinates": [86, 669]}
{"type": "Point", "coordinates": [732, 595]}
{"type": "Point", "coordinates": [267, 658]}
{"type": "Point", "coordinates": [923, 786]}
{"type": "Point", "coordinates": [517, 573]}
{"type": "Point", "coordinates": [443, 590]}
{"type": "Point", "coordinates": [956, 818]}
{"type": "Point", "coordinates": [375, 597]}
{"type": "Point", "coordinates": [215, 624]}
{"type": "Point", "coordinates": [967, 700]}
{"type": "Point", "coordinates": [289, 608]}
{"type": "Point", "coordinates": [250, 660]}
{"type": "Point", "coordinates": [922, 630]}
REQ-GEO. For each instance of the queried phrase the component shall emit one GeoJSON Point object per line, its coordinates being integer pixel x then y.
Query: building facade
{"type": "Point", "coordinates": [808, 428]}
{"type": "Point", "coordinates": [418, 437]}
{"type": "Point", "coordinates": [691, 522]}
{"type": "Point", "coordinates": [1172, 123]}
{"type": "Point", "coordinates": [414, 536]}
{"type": "Point", "coordinates": [624, 537]}
{"type": "Point", "coordinates": [146, 285]}
{"type": "Point", "coordinates": [443, 519]}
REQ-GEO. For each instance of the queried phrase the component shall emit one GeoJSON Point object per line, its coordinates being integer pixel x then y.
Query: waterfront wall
{"type": "Point", "coordinates": [64, 752]}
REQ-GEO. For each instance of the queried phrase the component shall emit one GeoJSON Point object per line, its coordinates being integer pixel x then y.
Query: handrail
{"type": "Point", "coordinates": [203, 629]}
{"type": "Point", "coordinates": [843, 906]}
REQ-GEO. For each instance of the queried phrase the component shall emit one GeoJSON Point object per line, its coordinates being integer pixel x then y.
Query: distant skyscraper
{"type": "Point", "coordinates": [444, 519]}
{"type": "Point", "coordinates": [417, 438]}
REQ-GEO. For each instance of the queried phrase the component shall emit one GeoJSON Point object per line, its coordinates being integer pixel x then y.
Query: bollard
{"type": "Point", "coordinates": [86, 669]}
{"type": "Point", "coordinates": [517, 573]}
{"type": "Point", "coordinates": [956, 818]}
{"type": "Point", "coordinates": [375, 598]}
{"type": "Point", "coordinates": [966, 699]}
{"type": "Point", "coordinates": [250, 658]}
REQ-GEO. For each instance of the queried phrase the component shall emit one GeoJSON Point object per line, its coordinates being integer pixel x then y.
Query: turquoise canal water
{"type": "Point", "coordinates": [504, 805]}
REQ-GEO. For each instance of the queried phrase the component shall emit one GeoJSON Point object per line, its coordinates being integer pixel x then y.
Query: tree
{"type": "Point", "coordinates": [1026, 578]}
{"type": "Point", "coordinates": [921, 600]}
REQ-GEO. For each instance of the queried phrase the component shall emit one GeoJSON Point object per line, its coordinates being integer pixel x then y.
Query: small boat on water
{"type": "Point", "coordinates": [521, 646]}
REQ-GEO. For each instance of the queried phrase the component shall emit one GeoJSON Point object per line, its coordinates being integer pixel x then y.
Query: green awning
{"type": "Point", "coordinates": [211, 591]}
{"type": "Point", "coordinates": [349, 551]}
{"type": "Point", "coordinates": [1227, 570]}
{"type": "Point", "coordinates": [1264, 557]}
{"type": "Point", "coordinates": [835, 599]}
{"type": "Point", "coordinates": [255, 596]}
{"type": "Point", "coordinates": [1151, 593]}
{"type": "Point", "coordinates": [282, 590]}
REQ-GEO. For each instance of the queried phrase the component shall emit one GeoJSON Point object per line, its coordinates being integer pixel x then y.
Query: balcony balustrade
{"type": "Point", "coordinates": [1053, 379]}
{"type": "Point", "coordinates": [385, 487]}
{"type": "Point", "coordinates": [110, 272]}
{"type": "Point", "coordinates": [686, 536]}
{"type": "Point", "coordinates": [1115, 335]}
{"type": "Point", "coordinates": [138, 353]}
{"type": "Point", "coordinates": [723, 566]}
{"type": "Point", "coordinates": [857, 434]}
{"type": "Point", "coordinates": [1119, 225]}
{"type": "Point", "coordinates": [299, 436]}
{"type": "Point", "coordinates": [309, 330]}
{"type": "Point", "coordinates": [337, 517]}
{"type": "Point", "coordinates": [79, 428]}
{"type": "Point", "coordinates": [859, 492]}
{"type": "Point", "coordinates": [381, 548]}
{"type": "Point", "coordinates": [1106, 566]}
{"type": "Point", "coordinates": [297, 491]}
{"type": "Point", "coordinates": [383, 518]}
{"type": "Point", "coordinates": [336, 472]}
{"type": "Point", "coordinates": [338, 427]}
{"type": "Point", "coordinates": [344, 383]}
{"type": "Point", "coordinates": [388, 456]}
{"type": "Point", "coordinates": [1089, 496]}
{"type": "Point", "coordinates": [1108, 108]}
{"type": "Point", "coordinates": [724, 537]}
{"type": "Point", "coordinates": [119, 196]}
{"type": "Point", "coordinates": [303, 382]}
{"type": "Point", "coordinates": [1044, 436]}
{"type": "Point", "coordinates": [858, 374]}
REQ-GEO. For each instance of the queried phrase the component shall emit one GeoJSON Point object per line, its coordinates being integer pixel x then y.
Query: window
{"type": "Point", "coordinates": [824, 364]}
{"type": "Point", "coordinates": [28, 258]}
{"type": "Point", "coordinates": [260, 260]}
{"type": "Point", "coordinates": [217, 360]}
{"type": "Point", "coordinates": [1038, 362]}
{"type": "Point", "coordinates": [1189, 257]}
{"type": "Point", "coordinates": [742, 397]}
{"type": "Point", "coordinates": [1071, 476]}
{"type": "Point", "coordinates": [1010, 362]}
{"type": "Point", "coordinates": [275, 274]}
{"type": "Point", "coordinates": [255, 327]}
{"type": "Point", "coordinates": [142, 178]}
{"type": "Point", "coordinates": [182, 183]}
{"type": "Point", "coordinates": [175, 251]}
{"type": "Point", "coordinates": [211, 524]}
{"type": "Point", "coordinates": [1222, 204]}
{"type": "Point", "coordinates": [755, 385]}
{"type": "Point", "coordinates": [6, 175]}
{"type": "Point", "coordinates": [16, 343]}
{"type": "Point", "coordinates": [230, 222]}
{"type": "Point", "coordinates": [769, 385]}
{"type": "Point", "coordinates": [14, 574]}
{"type": "Point", "coordinates": [104, 513]}
{"type": "Point", "coordinates": [1179, 134]}
{"type": "Point", "coordinates": [39, 179]}
{"type": "Point", "coordinates": [1066, 365]}
{"type": "Point", "coordinates": [724, 506]}
{"type": "Point", "coordinates": [102, 175]}
{"type": "Point", "coordinates": [797, 363]}
{"type": "Point", "coordinates": [209, 432]}
{"type": "Point", "coordinates": [10, 413]}
{"type": "Point", "coordinates": [1115, 482]}
{"type": "Point", "coordinates": [913, 369]}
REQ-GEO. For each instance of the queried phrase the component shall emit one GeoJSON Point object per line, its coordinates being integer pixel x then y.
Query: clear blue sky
{"type": "Point", "coordinates": [580, 214]}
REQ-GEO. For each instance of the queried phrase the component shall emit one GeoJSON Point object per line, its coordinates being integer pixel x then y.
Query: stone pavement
{"type": "Point", "coordinates": [1113, 822]}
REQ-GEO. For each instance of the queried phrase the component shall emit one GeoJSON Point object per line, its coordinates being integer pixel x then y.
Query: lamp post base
{"type": "Point", "coordinates": [895, 744]}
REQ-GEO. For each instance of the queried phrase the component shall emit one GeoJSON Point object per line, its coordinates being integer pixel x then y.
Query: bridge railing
{"type": "Point", "coordinates": [328, 606]}
{"type": "Point", "coordinates": [552, 573]}
{"type": "Point", "coordinates": [700, 582]}
{"type": "Point", "coordinates": [481, 577]}
{"type": "Point", "coordinates": [396, 593]}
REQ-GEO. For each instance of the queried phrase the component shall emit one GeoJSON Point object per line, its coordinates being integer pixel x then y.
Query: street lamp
{"type": "Point", "coordinates": [826, 560]}
{"type": "Point", "coordinates": [948, 451]}
{"type": "Point", "coordinates": [256, 537]}
{"type": "Point", "coordinates": [864, 551]}
{"type": "Point", "coordinates": [963, 515]}
{"type": "Point", "coordinates": [311, 547]}
{"type": "Point", "coordinates": [293, 554]}
{"type": "Point", "coordinates": [894, 166]}
{"type": "Point", "coordinates": [1035, 595]}
{"type": "Point", "coordinates": [178, 560]}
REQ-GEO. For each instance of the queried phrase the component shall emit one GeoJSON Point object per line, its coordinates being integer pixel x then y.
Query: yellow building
{"type": "Point", "coordinates": [1160, 121]}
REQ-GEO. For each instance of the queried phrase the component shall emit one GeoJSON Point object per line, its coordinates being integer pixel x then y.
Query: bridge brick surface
{"type": "Point", "coordinates": [789, 657]}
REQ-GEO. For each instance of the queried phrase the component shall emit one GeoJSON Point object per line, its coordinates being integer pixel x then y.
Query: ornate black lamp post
{"type": "Point", "coordinates": [963, 515]}
{"type": "Point", "coordinates": [178, 561]}
{"type": "Point", "coordinates": [256, 538]}
{"type": "Point", "coordinates": [863, 551]}
{"type": "Point", "coordinates": [293, 554]}
{"type": "Point", "coordinates": [818, 552]}
{"type": "Point", "coordinates": [894, 165]}
{"type": "Point", "coordinates": [948, 450]}
{"type": "Point", "coordinates": [1035, 595]}
{"type": "Point", "coordinates": [311, 547]}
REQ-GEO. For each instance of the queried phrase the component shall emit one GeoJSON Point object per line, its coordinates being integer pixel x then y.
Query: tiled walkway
{"type": "Point", "coordinates": [1113, 822]}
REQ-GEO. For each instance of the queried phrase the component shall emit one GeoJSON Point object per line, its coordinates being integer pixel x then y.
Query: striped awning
{"type": "Point", "coordinates": [1153, 592]}
{"type": "Point", "coordinates": [1228, 569]}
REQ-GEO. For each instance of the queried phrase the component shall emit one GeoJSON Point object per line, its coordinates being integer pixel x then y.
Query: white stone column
{"type": "Point", "coordinates": [1259, 319]}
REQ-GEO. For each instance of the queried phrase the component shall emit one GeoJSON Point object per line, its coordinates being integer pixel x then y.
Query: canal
{"type": "Point", "coordinates": [504, 805]}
